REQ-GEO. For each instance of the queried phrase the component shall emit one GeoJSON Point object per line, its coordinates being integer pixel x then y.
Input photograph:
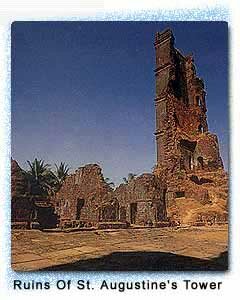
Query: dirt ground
{"type": "Point", "coordinates": [158, 249]}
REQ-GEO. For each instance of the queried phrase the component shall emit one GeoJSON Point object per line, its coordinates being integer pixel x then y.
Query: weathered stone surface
{"type": "Point", "coordinates": [19, 186]}
{"type": "Point", "coordinates": [142, 199]}
{"type": "Point", "coordinates": [181, 121]}
{"type": "Point", "coordinates": [139, 202]}
{"type": "Point", "coordinates": [21, 205]}
{"type": "Point", "coordinates": [184, 145]}
{"type": "Point", "coordinates": [82, 196]}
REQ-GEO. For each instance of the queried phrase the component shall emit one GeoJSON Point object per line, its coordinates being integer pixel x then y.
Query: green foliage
{"type": "Point", "coordinates": [42, 180]}
{"type": "Point", "coordinates": [60, 175]}
{"type": "Point", "coordinates": [39, 177]}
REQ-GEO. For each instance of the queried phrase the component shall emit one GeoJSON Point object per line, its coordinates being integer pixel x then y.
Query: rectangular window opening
{"type": "Point", "coordinates": [179, 194]}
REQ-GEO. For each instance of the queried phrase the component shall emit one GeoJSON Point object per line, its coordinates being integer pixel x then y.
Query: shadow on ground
{"type": "Point", "coordinates": [145, 261]}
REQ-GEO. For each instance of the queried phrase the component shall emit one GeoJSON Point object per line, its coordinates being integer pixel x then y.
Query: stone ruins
{"type": "Point", "coordinates": [188, 185]}
{"type": "Point", "coordinates": [187, 153]}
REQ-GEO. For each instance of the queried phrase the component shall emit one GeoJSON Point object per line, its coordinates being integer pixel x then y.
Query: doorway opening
{"type": "Point", "coordinates": [80, 204]}
{"type": "Point", "coordinates": [133, 212]}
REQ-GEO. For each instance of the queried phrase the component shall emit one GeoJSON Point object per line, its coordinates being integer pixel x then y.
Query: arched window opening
{"type": "Point", "coordinates": [179, 194]}
{"type": "Point", "coordinates": [198, 101]}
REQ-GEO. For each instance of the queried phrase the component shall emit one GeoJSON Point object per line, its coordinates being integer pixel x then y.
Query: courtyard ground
{"type": "Point", "coordinates": [194, 248]}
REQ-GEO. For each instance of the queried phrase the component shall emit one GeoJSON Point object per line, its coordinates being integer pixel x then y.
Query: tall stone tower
{"type": "Point", "coordinates": [186, 150]}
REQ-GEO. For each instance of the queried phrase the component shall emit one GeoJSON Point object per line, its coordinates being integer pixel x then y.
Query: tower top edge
{"type": "Point", "coordinates": [163, 35]}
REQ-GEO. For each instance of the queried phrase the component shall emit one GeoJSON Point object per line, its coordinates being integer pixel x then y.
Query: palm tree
{"type": "Point", "coordinates": [60, 175]}
{"type": "Point", "coordinates": [130, 177]}
{"type": "Point", "coordinates": [108, 182]}
{"type": "Point", "coordinates": [40, 177]}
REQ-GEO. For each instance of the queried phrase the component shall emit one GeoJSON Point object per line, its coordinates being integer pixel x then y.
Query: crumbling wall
{"type": "Point", "coordinates": [82, 195]}
{"type": "Point", "coordinates": [208, 148]}
{"type": "Point", "coordinates": [140, 202]}
{"type": "Point", "coordinates": [19, 185]}
{"type": "Point", "coordinates": [180, 108]}
{"type": "Point", "coordinates": [201, 193]}
{"type": "Point", "coordinates": [21, 204]}
{"type": "Point", "coordinates": [184, 145]}
{"type": "Point", "coordinates": [143, 200]}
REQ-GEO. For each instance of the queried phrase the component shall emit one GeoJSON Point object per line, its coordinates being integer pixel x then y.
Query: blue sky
{"type": "Point", "coordinates": [83, 92]}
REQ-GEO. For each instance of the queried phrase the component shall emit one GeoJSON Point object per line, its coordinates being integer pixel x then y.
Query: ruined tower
{"type": "Point", "coordinates": [186, 150]}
